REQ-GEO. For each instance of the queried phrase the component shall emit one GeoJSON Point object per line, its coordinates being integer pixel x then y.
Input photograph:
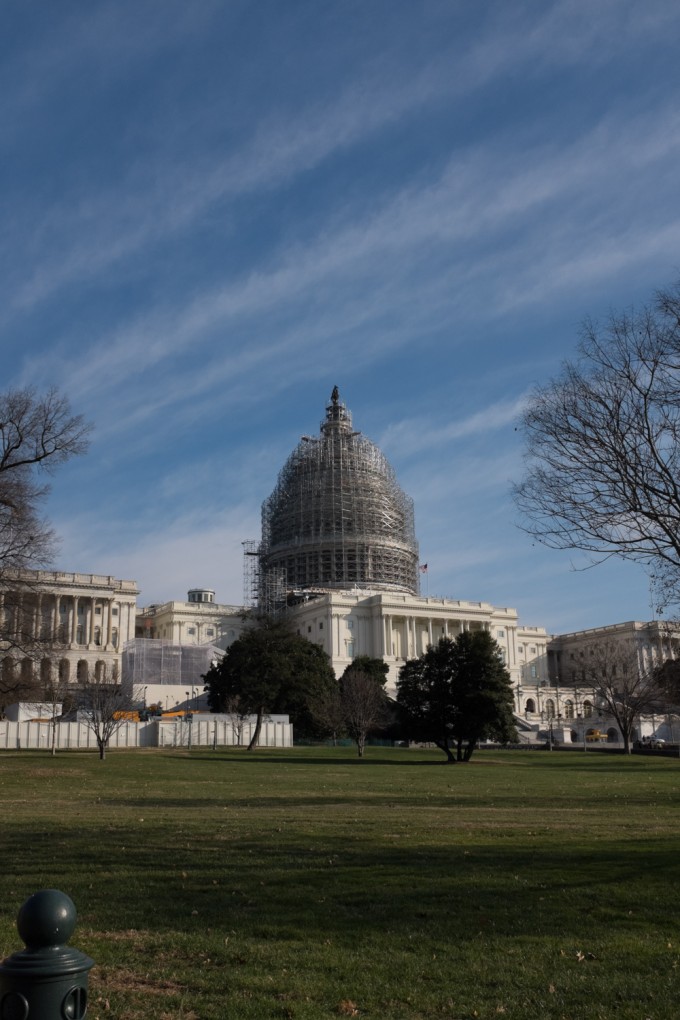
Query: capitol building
{"type": "Point", "coordinates": [338, 557]}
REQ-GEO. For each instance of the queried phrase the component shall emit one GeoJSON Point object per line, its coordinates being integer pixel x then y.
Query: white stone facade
{"type": "Point", "coordinates": [198, 621]}
{"type": "Point", "coordinates": [397, 626]}
{"type": "Point", "coordinates": [69, 625]}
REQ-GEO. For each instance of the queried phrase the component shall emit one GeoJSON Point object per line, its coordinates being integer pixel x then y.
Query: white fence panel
{"type": "Point", "coordinates": [155, 733]}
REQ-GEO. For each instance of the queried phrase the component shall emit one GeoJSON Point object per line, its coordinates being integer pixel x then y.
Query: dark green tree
{"type": "Point", "coordinates": [457, 694]}
{"type": "Point", "coordinates": [370, 666]}
{"type": "Point", "coordinates": [270, 669]}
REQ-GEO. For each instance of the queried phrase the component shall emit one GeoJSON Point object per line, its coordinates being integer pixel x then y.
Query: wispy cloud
{"type": "Point", "coordinates": [413, 435]}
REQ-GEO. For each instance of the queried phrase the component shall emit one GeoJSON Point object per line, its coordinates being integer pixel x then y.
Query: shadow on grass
{"type": "Point", "coordinates": [328, 887]}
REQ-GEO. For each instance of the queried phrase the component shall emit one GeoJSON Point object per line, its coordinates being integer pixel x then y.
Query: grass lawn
{"type": "Point", "coordinates": [309, 884]}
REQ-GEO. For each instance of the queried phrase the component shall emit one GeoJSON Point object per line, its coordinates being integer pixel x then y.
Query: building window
{"type": "Point", "coordinates": [309, 629]}
{"type": "Point", "coordinates": [520, 649]}
{"type": "Point", "coordinates": [114, 637]}
{"type": "Point", "coordinates": [350, 649]}
{"type": "Point", "coordinates": [114, 611]}
{"type": "Point", "coordinates": [532, 650]}
{"type": "Point", "coordinates": [500, 633]}
{"type": "Point", "coordinates": [97, 635]}
{"type": "Point", "coordinates": [569, 709]}
{"type": "Point", "coordinates": [191, 630]}
{"type": "Point", "coordinates": [534, 672]}
{"type": "Point", "coordinates": [321, 625]}
{"type": "Point", "coordinates": [97, 610]}
{"type": "Point", "coordinates": [587, 709]}
{"type": "Point", "coordinates": [209, 632]}
{"type": "Point", "coordinates": [550, 708]}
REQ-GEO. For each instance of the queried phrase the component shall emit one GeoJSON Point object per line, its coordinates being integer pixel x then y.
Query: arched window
{"type": "Point", "coordinates": [82, 672]}
{"type": "Point", "coordinates": [8, 672]}
{"type": "Point", "coordinates": [64, 670]}
{"type": "Point", "coordinates": [114, 637]}
{"type": "Point", "coordinates": [97, 635]}
{"type": "Point", "coordinates": [569, 709]}
{"type": "Point", "coordinates": [550, 708]}
{"type": "Point", "coordinates": [612, 736]}
{"type": "Point", "coordinates": [46, 672]}
{"type": "Point", "coordinates": [100, 671]}
{"type": "Point", "coordinates": [530, 705]}
{"type": "Point", "coordinates": [587, 709]}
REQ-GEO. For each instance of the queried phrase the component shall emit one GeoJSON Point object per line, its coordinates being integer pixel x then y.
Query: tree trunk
{"type": "Point", "coordinates": [443, 746]}
{"type": "Point", "coordinates": [258, 727]}
{"type": "Point", "coordinates": [360, 746]}
{"type": "Point", "coordinates": [102, 749]}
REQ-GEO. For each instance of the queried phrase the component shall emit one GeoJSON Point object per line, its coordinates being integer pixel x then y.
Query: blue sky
{"type": "Point", "coordinates": [214, 212]}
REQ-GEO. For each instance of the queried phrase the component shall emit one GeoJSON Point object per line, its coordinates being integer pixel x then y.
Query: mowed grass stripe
{"type": "Point", "coordinates": [309, 884]}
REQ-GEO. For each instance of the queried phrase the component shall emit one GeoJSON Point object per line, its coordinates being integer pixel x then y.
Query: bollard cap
{"type": "Point", "coordinates": [47, 918]}
{"type": "Point", "coordinates": [46, 922]}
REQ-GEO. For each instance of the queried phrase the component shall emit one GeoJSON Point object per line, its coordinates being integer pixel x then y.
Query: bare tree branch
{"type": "Point", "coordinates": [603, 446]}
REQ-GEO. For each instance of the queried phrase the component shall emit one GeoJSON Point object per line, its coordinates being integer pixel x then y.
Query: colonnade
{"type": "Point", "coordinates": [88, 621]}
{"type": "Point", "coordinates": [393, 636]}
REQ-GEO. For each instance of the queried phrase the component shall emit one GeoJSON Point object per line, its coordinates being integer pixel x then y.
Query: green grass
{"type": "Point", "coordinates": [307, 884]}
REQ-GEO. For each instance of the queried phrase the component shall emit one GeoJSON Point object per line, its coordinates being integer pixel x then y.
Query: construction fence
{"type": "Point", "coordinates": [32, 735]}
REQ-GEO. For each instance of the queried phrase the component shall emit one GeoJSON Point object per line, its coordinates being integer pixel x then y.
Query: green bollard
{"type": "Point", "coordinates": [47, 980]}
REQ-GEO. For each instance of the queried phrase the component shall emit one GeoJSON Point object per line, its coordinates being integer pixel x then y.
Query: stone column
{"type": "Point", "coordinates": [109, 623]}
{"type": "Point", "coordinates": [55, 617]}
{"type": "Point", "coordinates": [74, 620]}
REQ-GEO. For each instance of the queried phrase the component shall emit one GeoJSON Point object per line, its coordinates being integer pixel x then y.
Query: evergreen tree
{"type": "Point", "coordinates": [270, 669]}
{"type": "Point", "coordinates": [457, 694]}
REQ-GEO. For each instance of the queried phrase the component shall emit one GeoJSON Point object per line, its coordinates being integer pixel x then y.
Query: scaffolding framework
{"type": "Point", "coordinates": [251, 572]}
{"type": "Point", "coordinates": [337, 518]}
{"type": "Point", "coordinates": [148, 661]}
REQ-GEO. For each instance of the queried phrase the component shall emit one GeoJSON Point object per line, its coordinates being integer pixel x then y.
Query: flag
{"type": "Point", "coordinates": [423, 568]}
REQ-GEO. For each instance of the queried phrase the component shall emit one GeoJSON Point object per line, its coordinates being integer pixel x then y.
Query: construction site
{"type": "Point", "coordinates": [337, 519]}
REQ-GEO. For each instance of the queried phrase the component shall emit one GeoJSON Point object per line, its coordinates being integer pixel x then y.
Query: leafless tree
{"type": "Point", "coordinates": [56, 696]}
{"type": "Point", "coordinates": [365, 706]}
{"type": "Point", "coordinates": [238, 716]}
{"type": "Point", "coordinates": [624, 686]}
{"type": "Point", "coordinates": [37, 433]}
{"type": "Point", "coordinates": [603, 446]}
{"type": "Point", "coordinates": [107, 706]}
{"type": "Point", "coordinates": [328, 712]}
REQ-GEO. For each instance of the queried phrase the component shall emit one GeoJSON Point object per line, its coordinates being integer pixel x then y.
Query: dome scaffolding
{"type": "Point", "coordinates": [337, 518]}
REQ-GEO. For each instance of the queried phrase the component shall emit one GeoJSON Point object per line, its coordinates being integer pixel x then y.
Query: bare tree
{"type": "Point", "coordinates": [603, 446]}
{"type": "Point", "coordinates": [37, 433]}
{"type": "Point", "coordinates": [328, 713]}
{"type": "Point", "coordinates": [57, 698]}
{"type": "Point", "coordinates": [106, 705]}
{"type": "Point", "coordinates": [365, 706]}
{"type": "Point", "coordinates": [625, 688]}
{"type": "Point", "coordinates": [238, 716]}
